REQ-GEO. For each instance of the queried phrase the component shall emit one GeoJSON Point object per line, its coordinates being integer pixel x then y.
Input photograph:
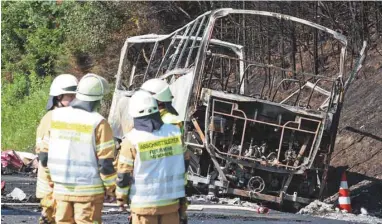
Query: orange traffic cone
{"type": "Point", "coordinates": [344, 195]}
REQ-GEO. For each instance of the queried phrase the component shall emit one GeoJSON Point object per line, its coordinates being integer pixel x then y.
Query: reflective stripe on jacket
{"type": "Point", "coordinates": [42, 186]}
{"type": "Point", "coordinates": [72, 159]}
{"type": "Point", "coordinates": [158, 176]}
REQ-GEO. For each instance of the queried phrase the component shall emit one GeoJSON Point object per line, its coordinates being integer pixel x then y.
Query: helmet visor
{"type": "Point", "coordinates": [70, 89]}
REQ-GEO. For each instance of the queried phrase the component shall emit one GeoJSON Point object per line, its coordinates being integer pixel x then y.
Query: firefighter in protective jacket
{"type": "Point", "coordinates": [62, 92]}
{"type": "Point", "coordinates": [160, 90]}
{"type": "Point", "coordinates": [79, 155]}
{"type": "Point", "coordinates": [151, 165]}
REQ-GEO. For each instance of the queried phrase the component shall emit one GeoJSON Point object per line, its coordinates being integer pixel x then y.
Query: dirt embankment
{"type": "Point", "coordinates": [359, 140]}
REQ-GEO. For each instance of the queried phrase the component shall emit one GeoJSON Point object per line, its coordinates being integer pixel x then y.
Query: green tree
{"type": "Point", "coordinates": [32, 40]}
{"type": "Point", "coordinates": [41, 39]}
{"type": "Point", "coordinates": [31, 36]}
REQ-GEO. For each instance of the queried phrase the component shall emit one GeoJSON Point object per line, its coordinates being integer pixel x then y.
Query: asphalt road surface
{"type": "Point", "coordinates": [200, 214]}
{"type": "Point", "coordinates": [29, 215]}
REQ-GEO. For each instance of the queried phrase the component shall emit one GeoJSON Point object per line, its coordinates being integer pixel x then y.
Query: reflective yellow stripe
{"type": "Point", "coordinates": [59, 125]}
{"type": "Point", "coordinates": [42, 182]}
{"type": "Point", "coordinates": [108, 181]}
{"type": "Point", "coordinates": [123, 159]}
{"type": "Point", "coordinates": [105, 145]}
{"type": "Point", "coordinates": [42, 187]}
{"type": "Point", "coordinates": [66, 189]}
{"type": "Point", "coordinates": [40, 192]}
{"type": "Point", "coordinates": [154, 204]}
{"type": "Point", "coordinates": [123, 191]}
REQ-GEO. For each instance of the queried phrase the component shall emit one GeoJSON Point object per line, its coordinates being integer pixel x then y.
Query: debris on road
{"type": "Point", "coordinates": [17, 194]}
{"type": "Point", "coordinates": [262, 210]}
{"type": "Point", "coordinates": [14, 161]}
{"type": "Point", "coordinates": [26, 157]}
{"type": "Point", "coordinates": [234, 201]}
{"type": "Point", "coordinates": [317, 208]}
{"type": "Point", "coordinates": [364, 211]}
{"type": "Point", "coordinates": [203, 199]}
{"type": "Point", "coordinates": [324, 210]}
{"type": "Point", "coordinates": [30, 161]}
{"type": "Point", "coordinates": [2, 186]}
{"type": "Point", "coordinates": [10, 162]}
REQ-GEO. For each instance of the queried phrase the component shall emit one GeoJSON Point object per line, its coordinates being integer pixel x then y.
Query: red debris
{"type": "Point", "coordinates": [2, 186]}
{"type": "Point", "coordinates": [10, 160]}
{"type": "Point", "coordinates": [262, 210]}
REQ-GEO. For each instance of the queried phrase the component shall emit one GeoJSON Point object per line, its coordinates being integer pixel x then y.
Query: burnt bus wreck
{"type": "Point", "coordinates": [260, 103]}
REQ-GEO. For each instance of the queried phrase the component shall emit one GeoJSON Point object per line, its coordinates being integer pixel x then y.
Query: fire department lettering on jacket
{"type": "Point", "coordinates": [160, 148]}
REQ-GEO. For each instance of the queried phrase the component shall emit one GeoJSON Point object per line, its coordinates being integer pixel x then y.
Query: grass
{"type": "Point", "coordinates": [20, 116]}
{"type": "Point", "coordinates": [22, 107]}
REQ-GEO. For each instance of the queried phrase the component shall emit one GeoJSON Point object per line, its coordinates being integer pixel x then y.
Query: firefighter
{"type": "Point", "coordinates": [62, 92]}
{"type": "Point", "coordinates": [79, 155]}
{"type": "Point", "coordinates": [160, 90]}
{"type": "Point", "coordinates": [151, 165]}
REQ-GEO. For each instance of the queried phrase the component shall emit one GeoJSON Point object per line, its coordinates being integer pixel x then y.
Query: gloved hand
{"type": "Point", "coordinates": [117, 143]}
{"type": "Point", "coordinates": [183, 204]}
{"type": "Point", "coordinates": [183, 219]}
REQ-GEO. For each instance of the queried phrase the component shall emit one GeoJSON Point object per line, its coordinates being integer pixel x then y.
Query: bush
{"type": "Point", "coordinates": [40, 39]}
{"type": "Point", "coordinates": [23, 105]}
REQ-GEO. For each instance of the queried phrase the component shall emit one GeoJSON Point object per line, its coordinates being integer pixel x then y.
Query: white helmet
{"type": "Point", "coordinates": [92, 87]}
{"type": "Point", "coordinates": [63, 84]}
{"type": "Point", "coordinates": [159, 88]}
{"type": "Point", "coordinates": [142, 104]}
